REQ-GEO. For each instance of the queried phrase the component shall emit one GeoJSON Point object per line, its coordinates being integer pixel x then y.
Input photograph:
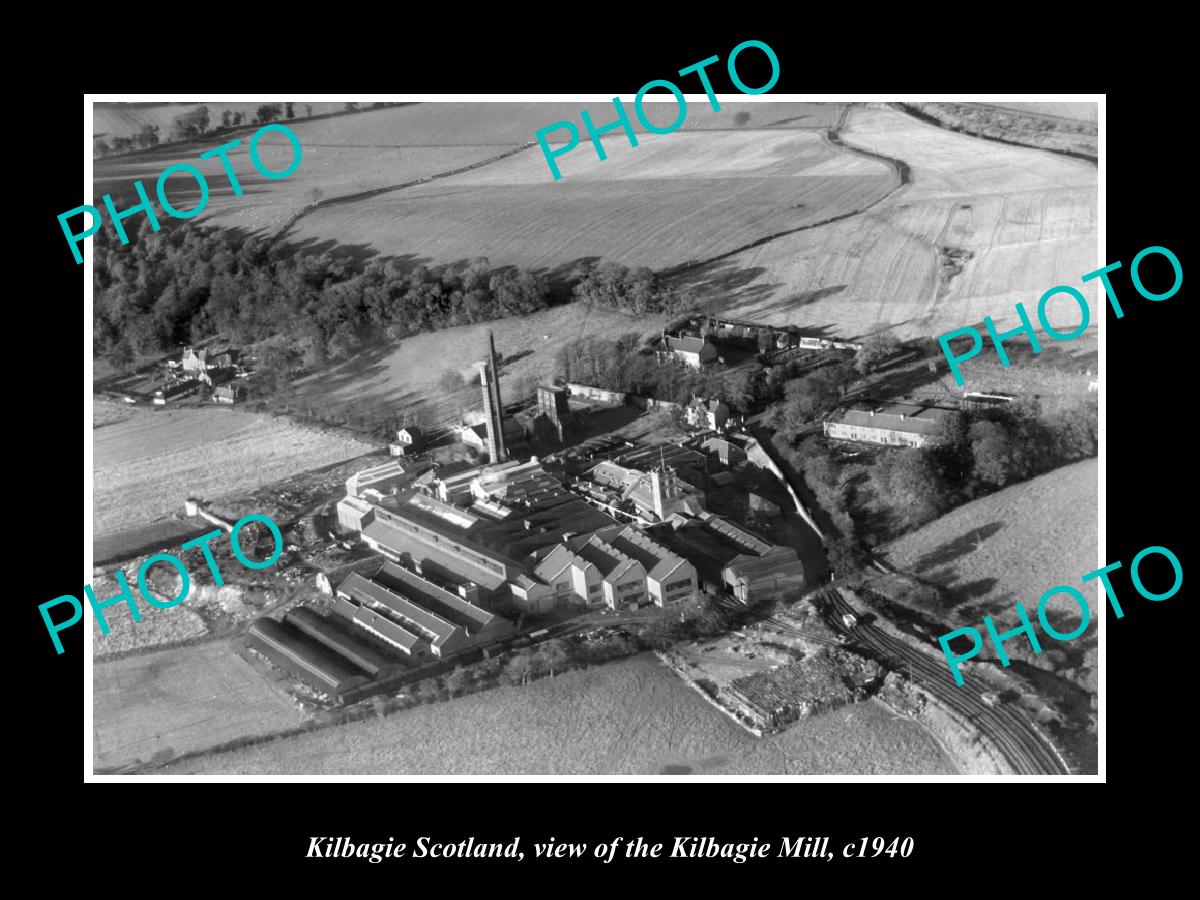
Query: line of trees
{"type": "Point", "coordinates": [624, 364]}
{"type": "Point", "coordinates": [973, 455]}
{"type": "Point", "coordinates": [193, 124]}
{"type": "Point", "coordinates": [613, 286]}
{"type": "Point", "coordinates": [182, 284]}
{"type": "Point", "coordinates": [980, 452]}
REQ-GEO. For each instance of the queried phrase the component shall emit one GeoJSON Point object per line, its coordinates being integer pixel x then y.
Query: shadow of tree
{"type": "Point", "coordinates": [952, 550]}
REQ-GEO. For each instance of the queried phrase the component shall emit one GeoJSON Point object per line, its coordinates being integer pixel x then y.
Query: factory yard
{"type": "Point", "coordinates": [632, 717]}
{"type": "Point", "coordinates": [147, 462]}
{"type": "Point", "coordinates": [158, 705]}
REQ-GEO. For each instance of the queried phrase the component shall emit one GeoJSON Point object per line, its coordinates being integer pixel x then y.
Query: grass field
{"type": "Point", "coordinates": [633, 717]}
{"type": "Point", "coordinates": [173, 701]}
{"type": "Point", "coordinates": [406, 374]}
{"type": "Point", "coordinates": [1027, 218]}
{"type": "Point", "coordinates": [1011, 547]}
{"type": "Point", "coordinates": [148, 463]}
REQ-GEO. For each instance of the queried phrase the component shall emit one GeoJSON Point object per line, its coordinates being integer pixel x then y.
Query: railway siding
{"type": "Point", "coordinates": [1022, 744]}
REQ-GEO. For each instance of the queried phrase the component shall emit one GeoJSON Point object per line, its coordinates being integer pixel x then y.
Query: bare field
{"type": "Point", "coordinates": [168, 702]}
{"type": "Point", "coordinates": [673, 199]}
{"type": "Point", "coordinates": [633, 717]}
{"type": "Point", "coordinates": [148, 463]}
{"type": "Point", "coordinates": [327, 169]}
{"type": "Point", "coordinates": [1025, 220]}
{"type": "Point", "coordinates": [1011, 547]}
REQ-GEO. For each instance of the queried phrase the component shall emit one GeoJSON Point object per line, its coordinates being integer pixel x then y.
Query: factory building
{"type": "Point", "coordinates": [617, 567]}
{"type": "Point", "coordinates": [731, 557]}
{"type": "Point", "coordinates": [382, 628]}
{"type": "Point", "coordinates": [553, 419]}
{"type": "Point", "coordinates": [422, 614]}
{"type": "Point", "coordinates": [387, 478]}
{"type": "Point", "coordinates": [325, 630]}
{"type": "Point", "coordinates": [302, 657]}
{"type": "Point", "coordinates": [650, 497]}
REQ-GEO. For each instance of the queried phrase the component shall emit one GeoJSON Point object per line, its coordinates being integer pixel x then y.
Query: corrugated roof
{"type": "Point", "coordinates": [385, 627]}
{"type": "Point", "coordinates": [754, 568]}
{"type": "Point", "coordinates": [401, 542]}
{"type": "Point", "coordinates": [743, 538]}
{"type": "Point", "coordinates": [434, 626]}
{"type": "Point", "coordinates": [448, 605]}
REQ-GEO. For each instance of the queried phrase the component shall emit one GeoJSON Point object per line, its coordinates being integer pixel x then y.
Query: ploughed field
{"type": "Point", "coordinates": [380, 148]}
{"type": "Point", "coordinates": [981, 226]}
{"type": "Point", "coordinates": [147, 463]}
{"type": "Point", "coordinates": [631, 717]}
{"type": "Point", "coordinates": [674, 199]}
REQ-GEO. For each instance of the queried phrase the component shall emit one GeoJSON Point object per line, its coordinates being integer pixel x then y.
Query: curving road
{"type": "Point", "coordinates": [1023, 746]}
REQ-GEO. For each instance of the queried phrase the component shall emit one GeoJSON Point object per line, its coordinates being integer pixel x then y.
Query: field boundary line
{"type": "Point", "coordinates": [375, 192]}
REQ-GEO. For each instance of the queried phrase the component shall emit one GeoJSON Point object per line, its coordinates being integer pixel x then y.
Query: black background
{"type": "Point", "coordinates": [965, 833]}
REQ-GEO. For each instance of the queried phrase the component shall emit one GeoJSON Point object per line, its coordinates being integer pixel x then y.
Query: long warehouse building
{"type": "Point", "coordinates": [287, 647]}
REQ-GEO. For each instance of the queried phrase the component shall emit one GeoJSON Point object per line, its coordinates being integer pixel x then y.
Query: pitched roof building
{"type": "Point", "coordinates": [728, 554]}
{"type": "Point", "coordinates": [691, 351]}
{"type": "Point", "coordinates": [712, 414]}
{"type": "Point", "coordinates": [618, 566]}
{"type": "Point", "coordinates": [906, 424]}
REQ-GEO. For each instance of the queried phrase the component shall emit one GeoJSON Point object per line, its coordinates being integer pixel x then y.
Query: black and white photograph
{"type": "Point", "coordinates": [700, 432]}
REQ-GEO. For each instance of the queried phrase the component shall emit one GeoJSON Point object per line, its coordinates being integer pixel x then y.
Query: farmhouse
{"type": "Point", "coordinates": [691, 351]}
{"type": "Point", "coordinates": [195, 360]}
{"type": "Point", "coordinates": [408, 441]}
{"type": "Point", "coordinates": [710, 414]}
{"type": "Point", "coordinates": [905, 424]}
{"type": "Point", "coordinates": [229, 393]}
